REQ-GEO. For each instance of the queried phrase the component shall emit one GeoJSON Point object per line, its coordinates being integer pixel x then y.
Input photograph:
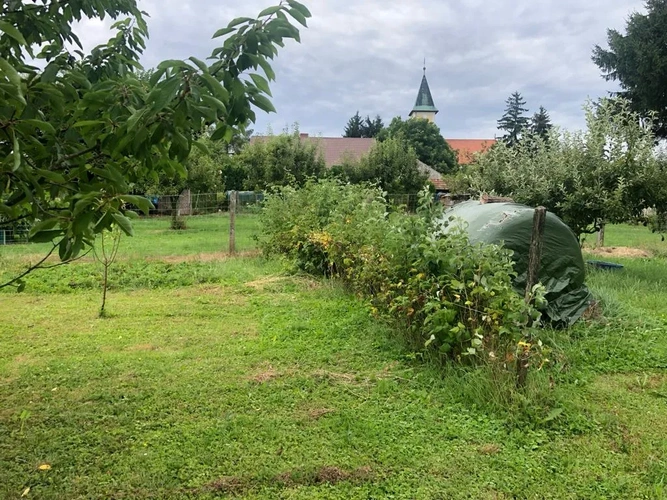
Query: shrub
{"type": "Point", "coordinates": [451, 298]}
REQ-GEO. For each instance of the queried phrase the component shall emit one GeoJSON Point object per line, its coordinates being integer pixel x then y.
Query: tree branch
{"type": "Point", "coordinates": [31, 268]}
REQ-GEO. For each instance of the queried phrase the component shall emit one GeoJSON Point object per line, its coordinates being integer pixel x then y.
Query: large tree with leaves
{"type": "Point", "coordinates": [637, 60]}
{"type": "Point", "coordinates": [76, 134]}
{"type": "Point", "coordinates": [425, 138]}
{"type": "Point", "coordinates": [514, 122]}
{"type": "Point", "coordinates": [608, 173]}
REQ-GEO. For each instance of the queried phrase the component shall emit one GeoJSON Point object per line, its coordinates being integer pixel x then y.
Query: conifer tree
{"type": "Point", "coordinates": [513, 121]}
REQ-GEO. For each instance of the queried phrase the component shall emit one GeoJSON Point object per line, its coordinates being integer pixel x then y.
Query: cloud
{"type": "Point", "coordinates": [367, 55]}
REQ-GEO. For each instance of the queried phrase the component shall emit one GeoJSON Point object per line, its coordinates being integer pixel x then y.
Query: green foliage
{"type": "Point", "coordinates": [607, 173]}
{"type": "Point", "coordinates": [279, 160]}
{"type": "Point", "coordinates": [390, 165]}
{"type": "Point", "coordinates": [80, 132]}
{"type": "Point", "coordinates": [451, 297]}
{"type": "Point", "coordinates": [358, 127]}
{"type": "Point", "coordinates": [353, 127]}
{"type": "Point", "coordinates": [540, 124]}
{"type": "Point", "coordinates": [427, 141]}
{"type": "Point", "coordinates": [637, 60]}
{"type": "Point", "coordinates": [513, 121]}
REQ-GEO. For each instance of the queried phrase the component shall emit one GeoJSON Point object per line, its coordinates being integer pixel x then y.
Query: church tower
{"type": "Point", "coordinates": [424, 106]}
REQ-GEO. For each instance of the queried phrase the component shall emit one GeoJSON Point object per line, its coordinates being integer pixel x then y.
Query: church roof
{"type": "Point", "coordinates": [424, 100]}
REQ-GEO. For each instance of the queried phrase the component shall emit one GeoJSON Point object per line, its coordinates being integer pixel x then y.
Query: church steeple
{"type": "Point", "coordinates": [424, 106]}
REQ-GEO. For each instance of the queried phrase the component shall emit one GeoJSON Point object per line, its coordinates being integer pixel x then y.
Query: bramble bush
{"type": "Point", "coordinates": [451, 298]}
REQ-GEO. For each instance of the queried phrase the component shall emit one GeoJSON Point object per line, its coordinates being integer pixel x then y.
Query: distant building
{"type": "Point", "coordinates": [337, 149]}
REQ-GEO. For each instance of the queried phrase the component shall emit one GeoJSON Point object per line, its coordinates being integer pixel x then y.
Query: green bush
{"type": "Point", "coordinates": [450, 297]}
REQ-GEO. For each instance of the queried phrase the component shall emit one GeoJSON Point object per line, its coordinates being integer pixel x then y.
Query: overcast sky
{"type": "Point", "coordinates": [367, 55]}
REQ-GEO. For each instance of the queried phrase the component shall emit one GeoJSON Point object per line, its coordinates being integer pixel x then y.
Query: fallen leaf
{"type": "Point", "coordinates": [44, 467]}
{"type": "Point", "coordinates": [25, 492]}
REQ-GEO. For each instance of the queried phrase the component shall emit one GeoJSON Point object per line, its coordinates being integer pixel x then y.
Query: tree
{"type": "Point", "coordinates": [78, 133]}
{"type": "Point", "coordinates": [540, 124]}
{"type": "Point", "coordinates": [513, 121]}
{"type": "Point", "coordinates": [358, 127]}
{"type": "Point", "coordinates": [279, 161]}
{"type": "Point", "coordinates": [354, 126]}
{"type": "Point", "coordinates": [372, 128]}
{"type": "Point", "coordinates": [637, 60]}
{"type": "Point", "coordinates": [390, 164]}
{"type": "Point", "coordinates": [605, 174]}
{"type": "Point", "coordinates": [427, 141]}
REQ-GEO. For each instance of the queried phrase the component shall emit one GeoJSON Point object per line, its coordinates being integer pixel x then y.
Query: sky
{"type": "Point", "coordinates": [367, 55]}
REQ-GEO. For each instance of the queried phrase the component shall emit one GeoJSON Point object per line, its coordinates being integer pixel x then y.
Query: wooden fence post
{"type": "Point", "coordinates": [601, 235]}
{"type": "Point", "coordinates": [233, 196]}
{"type": "Point", "coordinates": [534, 257]}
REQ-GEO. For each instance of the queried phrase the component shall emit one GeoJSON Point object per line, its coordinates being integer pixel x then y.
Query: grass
{"type": "Point", "coordinates": [230, 378]}
{"type": "Point", "coordinates": [633, 236]}
{"type": "Point", "coordinates": [153, 238]}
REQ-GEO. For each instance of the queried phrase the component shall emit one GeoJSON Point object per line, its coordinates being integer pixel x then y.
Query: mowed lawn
{"type": "Point", "coordinates": [230, 378]}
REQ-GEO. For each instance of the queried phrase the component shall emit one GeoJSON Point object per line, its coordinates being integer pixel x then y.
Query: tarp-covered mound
{"type": "Point", "coordinates": [562, 269]}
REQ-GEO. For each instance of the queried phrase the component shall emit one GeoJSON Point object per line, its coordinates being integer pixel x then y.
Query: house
{"type": "Point", "coordinates": [336, 149]}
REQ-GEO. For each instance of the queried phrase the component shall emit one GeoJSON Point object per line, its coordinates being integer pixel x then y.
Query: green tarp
{"type": "Point", "coordinates": [562, 268]}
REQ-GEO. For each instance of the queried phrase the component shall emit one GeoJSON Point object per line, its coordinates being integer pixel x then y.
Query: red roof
{"type": "Point", "coordinates": [467, 148]}
{"type": "Point", "coordinates": [337, 149]}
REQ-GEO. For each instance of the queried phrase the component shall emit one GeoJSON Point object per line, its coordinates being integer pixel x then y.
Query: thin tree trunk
{"type": "Point", "coordinates": [104, 289]}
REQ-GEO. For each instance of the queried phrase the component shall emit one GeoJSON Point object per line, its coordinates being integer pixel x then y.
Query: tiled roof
{"type": "Point", "coordinates": [337, 149]}
{"type": "Point", "coordinates": [467, 148]}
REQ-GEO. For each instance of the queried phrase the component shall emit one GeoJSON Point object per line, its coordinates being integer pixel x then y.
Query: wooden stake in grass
{"type": "Point", "coordinates": [107, 256]}
{"type": "Point", "coordinates": [534, 257]}
{"type": "Point", "coordinates": [233, 196]}
{"type": "Point", "coordinates": [601, 235]}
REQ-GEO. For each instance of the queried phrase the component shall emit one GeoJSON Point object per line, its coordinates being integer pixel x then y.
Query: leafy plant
{"type": "Point", "coordinates": [79, 132]}
{"type": "Point", "coordinates": [605, 174]}
{"type": "Point", "coordinates": [106, 251]}
{"type": "Point", "coordinates": [451, 298]}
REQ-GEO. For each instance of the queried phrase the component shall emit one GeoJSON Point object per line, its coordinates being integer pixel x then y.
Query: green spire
{"type": "Point", "coordinates": [424, 100]}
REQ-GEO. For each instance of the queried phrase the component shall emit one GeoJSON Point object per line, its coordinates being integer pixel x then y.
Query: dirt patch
{"type": "Point", "coordinates": [317, 413]}
{"type": "Point", "coordinates": [142, 347]}
{"type": "Point", "coordinates": [265, 374]}
{"type": "Point", "coordinates": [489, 449]}
{"type": "Point", "coordinates": [324, 475]}
{"type": "Point", "coordinates": [202, 257]}
{"type": "Point", "coordinates": [619, 252]}
{"type": "Point", "coordinates": [593, 312]}
{"type": "Point", "coordinates": [230, 485]}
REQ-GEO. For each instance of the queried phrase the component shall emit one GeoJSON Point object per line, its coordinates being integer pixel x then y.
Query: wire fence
{"type": "Point", "coordinates": [189, 204]}
{"type": "Point", "coordinates": [204, 203]}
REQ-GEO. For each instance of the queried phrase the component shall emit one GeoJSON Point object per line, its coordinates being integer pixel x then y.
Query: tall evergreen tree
{"type": "Point", "coordinates": [354, 126]}
{"type": "Point", "coordinates": [637, 60]}
{"type": "Point", "coordinates": [514, 122]}
{"type": "Point", "coordinates": [371, 128]}
{"type": "Point", "coordinates": [540, 123]}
